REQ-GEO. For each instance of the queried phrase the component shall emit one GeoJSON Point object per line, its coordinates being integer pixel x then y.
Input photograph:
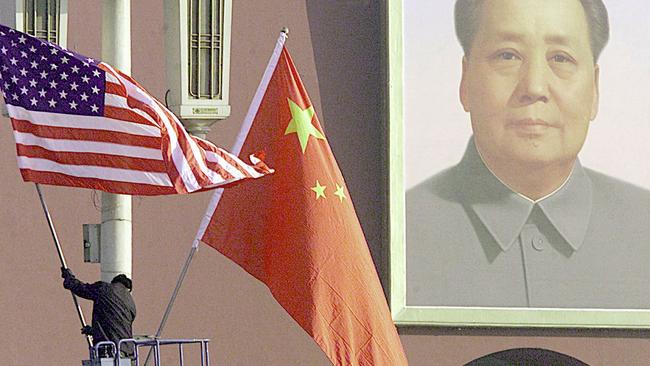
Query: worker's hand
{"type": "Point", "coordinates": [66, 272]}
{"type": "Point", "coordinates": [87, 330]}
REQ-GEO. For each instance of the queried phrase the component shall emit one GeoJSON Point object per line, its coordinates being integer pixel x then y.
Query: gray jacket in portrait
{"type": "Point", "coordinates": [471, 241]}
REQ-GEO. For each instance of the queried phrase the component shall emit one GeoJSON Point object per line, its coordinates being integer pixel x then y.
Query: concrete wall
{"type": "Point", "coordinates": [336, 46]}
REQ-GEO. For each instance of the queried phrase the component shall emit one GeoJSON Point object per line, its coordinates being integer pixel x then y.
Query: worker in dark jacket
{"type": "Point", "coordinates": [113, 308]}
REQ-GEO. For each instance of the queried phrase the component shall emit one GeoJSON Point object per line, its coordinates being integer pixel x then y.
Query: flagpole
{"type": "Point", "coordinates": [248, 120]}
{"type": "Point", "coordinates": [195, 247]}
{"type": "Point", "coordinates": [181, 278]}
{"type": "Point", "coordinates": [61, 258]}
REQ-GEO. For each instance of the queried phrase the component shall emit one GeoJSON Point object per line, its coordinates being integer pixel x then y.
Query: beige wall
{"type": "Point", "coordinates": [336, 46]}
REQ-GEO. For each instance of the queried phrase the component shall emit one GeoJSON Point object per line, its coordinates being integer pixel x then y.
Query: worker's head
{"type": "Point", "coordinates": [121, 278]}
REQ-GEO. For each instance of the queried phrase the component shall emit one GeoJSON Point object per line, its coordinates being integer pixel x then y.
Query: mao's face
{"type": "Point", "coordinates": [530, 83]}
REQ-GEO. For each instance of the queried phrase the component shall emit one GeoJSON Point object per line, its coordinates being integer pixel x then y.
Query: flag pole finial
{"type": "Point", "coordinates": [285, 30]}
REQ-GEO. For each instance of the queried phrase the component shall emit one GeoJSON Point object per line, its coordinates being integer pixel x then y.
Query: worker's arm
{"type": "Point", "coordinates": [81, 289]}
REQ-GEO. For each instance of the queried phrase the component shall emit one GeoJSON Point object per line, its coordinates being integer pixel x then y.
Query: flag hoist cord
{"type": "Point", "coordinates": [62, 258]}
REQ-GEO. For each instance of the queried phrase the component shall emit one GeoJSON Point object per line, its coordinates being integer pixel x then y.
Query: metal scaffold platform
{"type": "Point", "coordinates": [152, 344]}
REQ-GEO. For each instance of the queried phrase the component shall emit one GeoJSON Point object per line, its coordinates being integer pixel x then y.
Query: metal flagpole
{"type": "Point", "coordinates": [168, 310]}
{"type": "Point", "coordinates": [181, 277]}
{"type": "Point", "coordinates": [61, 258]}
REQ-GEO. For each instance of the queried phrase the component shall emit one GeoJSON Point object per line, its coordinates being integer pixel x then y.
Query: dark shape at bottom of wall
{"type": "Point", "coordinates": [526, 357]}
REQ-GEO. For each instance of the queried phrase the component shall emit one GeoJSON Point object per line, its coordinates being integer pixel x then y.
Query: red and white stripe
{"type": "Point", "coordinates": [138, 147]}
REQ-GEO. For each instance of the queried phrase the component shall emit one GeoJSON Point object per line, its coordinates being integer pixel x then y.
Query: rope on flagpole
{"type": "Point", "coordinates": [61, 258]}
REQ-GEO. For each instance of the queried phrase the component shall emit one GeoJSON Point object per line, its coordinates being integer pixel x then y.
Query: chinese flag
{"type": "Point", "coordinates": [297, 231]}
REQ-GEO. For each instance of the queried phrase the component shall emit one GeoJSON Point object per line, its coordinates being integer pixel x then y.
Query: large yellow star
{"type": "Point", "coordinates": [320, 190]}
{"type": "Point", "coordinates": [300, 124]}
{"type": "Point", "coordinates": [340, 193]}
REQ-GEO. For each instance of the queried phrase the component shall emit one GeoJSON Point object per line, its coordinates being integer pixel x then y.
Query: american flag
{"type": "Point", "coordinates": [79, 122]}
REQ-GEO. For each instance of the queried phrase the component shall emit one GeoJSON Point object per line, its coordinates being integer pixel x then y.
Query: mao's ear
{"type": "Point", "coordinates": [596, 96]}
{"type": "Point", "coordinates": [463, 90]}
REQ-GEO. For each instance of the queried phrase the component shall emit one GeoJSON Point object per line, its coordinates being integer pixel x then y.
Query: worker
{"type": "Point", "coordinates": [113, 309]}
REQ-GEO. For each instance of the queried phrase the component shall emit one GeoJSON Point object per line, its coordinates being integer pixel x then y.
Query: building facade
{"type": "Point", "coordinates": [338, 46]}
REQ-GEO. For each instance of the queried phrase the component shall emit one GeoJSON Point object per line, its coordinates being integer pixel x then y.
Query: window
{"type": "Point", "coordinates": [44, 19]}
{"type": "Point", "coordinates": [205, 25]}
{"type": "Point", "coordinates": [197, 38]}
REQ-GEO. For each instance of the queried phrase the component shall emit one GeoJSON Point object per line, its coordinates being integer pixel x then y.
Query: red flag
{"type": "Point", "coordinates": [79, 122]}
{"type": "Point", "coordinates": [297, 230]}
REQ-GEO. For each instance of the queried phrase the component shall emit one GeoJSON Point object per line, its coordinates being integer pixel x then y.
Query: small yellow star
{"type": "Point", "coordinates": [320, 190]}
{"type": "Point", "coordinates": [339, 192]}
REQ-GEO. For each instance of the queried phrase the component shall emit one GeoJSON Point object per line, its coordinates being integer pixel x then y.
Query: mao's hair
{"type": "Point", "coordinates": [467, 15]}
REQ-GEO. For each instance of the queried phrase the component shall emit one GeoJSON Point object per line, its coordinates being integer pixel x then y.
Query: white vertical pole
{"type": "Point", "coordinates": [116, 254]}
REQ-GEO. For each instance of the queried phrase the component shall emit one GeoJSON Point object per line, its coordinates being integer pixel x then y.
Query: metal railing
{"type": "Point", "coordinates": [154, 344]}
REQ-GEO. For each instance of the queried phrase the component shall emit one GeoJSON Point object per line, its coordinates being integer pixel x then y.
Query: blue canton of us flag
{"type": "Point", "coordinates": [42, 76]}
